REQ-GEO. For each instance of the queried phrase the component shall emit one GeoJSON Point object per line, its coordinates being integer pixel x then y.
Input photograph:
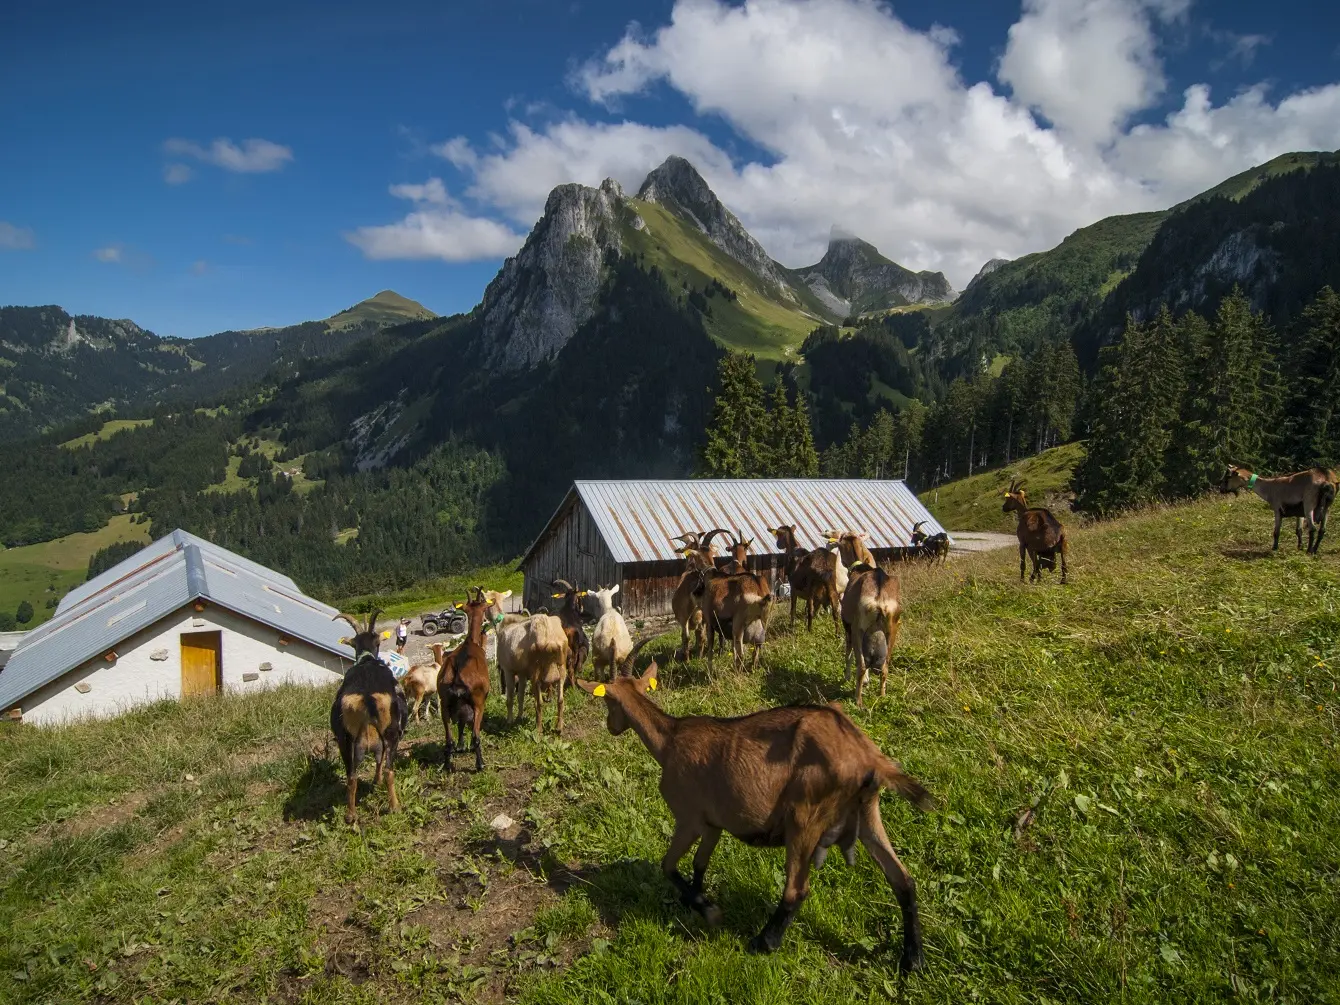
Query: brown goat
{"type": "Point", "coordinates": [852, 548]}
{"type": "Point", "coordinates": [463, 682]}
{"type": "Point", "coordinates": [368, 714]}
{"type": "Point", "coordinates": [737, 554]}
{"type": "Point", "coordinates": [802, 777]}
{"type": "Point", "coordinates": [697, 551]}
{"type": "Point", "coordinates": [811, 574]}
{"type": "Point", "coordinates": [1305, 495]}
{"type": "Point", "coordinates": [871, 603]}
{"type": "Point", "coordinates": [734, 606]}
{"type": "Point", "coordinates": [420, 683]}
{"type": "Point", "coordinates": [1040, 534]}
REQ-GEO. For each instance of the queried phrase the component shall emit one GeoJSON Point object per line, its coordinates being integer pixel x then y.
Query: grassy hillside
{"type": "Point", "coordinates": [109, 429]}
{"type": "Point", "coordinates": [1137, 777]}
{"type": "Point", "coordinates": [974, 503]}
{"type": "Point", "coordinates": [1242, 184]}
{"type": "Point", "coordinates": [385, 308]}
{"type": "Point", "coordinates": [38, 572]}
{"type": "Point", "coordinates": [754, 322]}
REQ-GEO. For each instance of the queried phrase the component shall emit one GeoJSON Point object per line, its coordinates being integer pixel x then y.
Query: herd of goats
{"type": "Point", "coordinates": [803, 777]}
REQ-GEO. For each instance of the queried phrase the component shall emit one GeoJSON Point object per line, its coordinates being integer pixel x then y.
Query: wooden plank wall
{"type": "Point", "coordinates": [575, 551]}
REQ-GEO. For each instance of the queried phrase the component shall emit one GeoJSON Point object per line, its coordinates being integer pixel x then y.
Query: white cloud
{"type": "Point", "coordinates": [867, 124]}
{"type": "Point", "coordinates": [111, 253]}
{"type": "Point", "coordinates": [437, 228]}
{"type": "Point", "coordinates": [15, 238]}
{"type": "Point", "coordinates": [253, 156]}
{"type": "Point", "coordinates": [432, 191]}
{"type": "Point", "coordinates": [177, 174]}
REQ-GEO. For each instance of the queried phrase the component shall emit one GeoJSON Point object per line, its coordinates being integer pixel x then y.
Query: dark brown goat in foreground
{"type": "Point", "coordinates": [1305, 495]}
{"type": "Point", "coordinates": [463, 682]}
{"type": "Point", "coordinates": [801, 777]}
{"type": "Point", "coordinates": [1040, 534]}
{"type": "Point", "coordinates": [369, 714]}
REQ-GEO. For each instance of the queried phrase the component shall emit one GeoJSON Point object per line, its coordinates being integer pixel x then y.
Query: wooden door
{"type": "Point", "coordinates": [201, 667]}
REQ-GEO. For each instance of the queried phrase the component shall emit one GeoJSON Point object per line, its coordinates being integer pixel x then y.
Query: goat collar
{"type": "Point", "coordinates": [1251, 482]}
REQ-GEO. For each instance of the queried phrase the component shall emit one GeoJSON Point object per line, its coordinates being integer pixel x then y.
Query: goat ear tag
{"type": "Point", "coordinates": [599, 692]}
{"type": "Point", "coordinates": [651, 684]}
{"type": "Point", "coordinates": [557, 595]}
{"type": "Point", "coordinates": [386, 635]}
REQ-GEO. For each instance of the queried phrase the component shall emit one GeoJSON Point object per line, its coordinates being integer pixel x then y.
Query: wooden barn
{"type": "Point", "coordinates": [607, 532]}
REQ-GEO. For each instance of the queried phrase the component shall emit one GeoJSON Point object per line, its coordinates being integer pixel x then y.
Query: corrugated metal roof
{"type": "Point", "coordinates": [637, 519]}
{"type": "Point", "coordinates": [151, 584]}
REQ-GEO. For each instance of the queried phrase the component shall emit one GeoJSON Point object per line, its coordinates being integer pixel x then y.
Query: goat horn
{"type": "Point", "coordinates": [626, 667]}
{"type": "Point", "coordinates": [373, 615]}
{"type": "Point", "coordinates": [916, 525]}
{"type": "Point", "coordinates": [348, 618]}
{"type": "Point", "coordinates": [564, 585]}
{"type": "Point", "coordinates": [706, 540]}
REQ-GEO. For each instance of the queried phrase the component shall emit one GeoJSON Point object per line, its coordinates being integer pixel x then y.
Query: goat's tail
{"type": "Point", "coordinates": [890, 775]}
{"type": "Point", "coordinates": [1325, 496]}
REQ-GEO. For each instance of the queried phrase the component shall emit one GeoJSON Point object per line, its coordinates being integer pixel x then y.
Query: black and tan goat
{"type": "Point", "coordinates": [1040, 534]}
{"type": "Point", "coordinates": [463, 682]}
{"type": "Point", "coordinates": [929, 546]}
{"type": "Point", "coordinates": [570, 613]}
{"type": "Point", "coordinates": [812, 575]}
{"type": "Point", "coordinates": [1305, 495]}
{"type": "Point", "coordinates": [369, 714]}
{"type": "Point", "coordinates": [802, 777]}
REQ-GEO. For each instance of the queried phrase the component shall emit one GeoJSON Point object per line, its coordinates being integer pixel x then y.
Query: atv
{"type": "Point", "coordinates": [451, 622]}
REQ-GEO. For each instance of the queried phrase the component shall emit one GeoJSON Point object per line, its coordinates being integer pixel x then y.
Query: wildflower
{"type": "Point", "coordinates": [967, 708]}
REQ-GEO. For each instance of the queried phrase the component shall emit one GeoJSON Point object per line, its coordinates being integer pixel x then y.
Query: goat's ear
{"type": "Point", "coordinates": [648, 678]}
{"type": "Point", "coordinates": [614, 589]}
{"type": "Point", "coordinates": [590, 686]}
{"type": "Point", "coordinates": [504, 596]}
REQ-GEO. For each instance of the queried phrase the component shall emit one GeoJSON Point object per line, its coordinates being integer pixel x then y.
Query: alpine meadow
{"type": "Point", "coordinates": [617, 608]}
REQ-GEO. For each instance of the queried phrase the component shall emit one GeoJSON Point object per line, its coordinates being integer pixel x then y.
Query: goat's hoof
{"type": "Point", "coordinates": [912, 961]}
{"type": "Point", "coordinates": [711, 915]}
{"type": "Point", "coordinates": [761, 943]}
{"type": "Point", "coordinates": [351, 819]}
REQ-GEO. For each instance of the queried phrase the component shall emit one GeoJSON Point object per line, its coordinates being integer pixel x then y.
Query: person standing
{"type": "Point", "coordinates": [402, 635]}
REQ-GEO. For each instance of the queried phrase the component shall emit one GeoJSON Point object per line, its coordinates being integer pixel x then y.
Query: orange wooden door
{"type": "Point", "coordinates": [201, 672]}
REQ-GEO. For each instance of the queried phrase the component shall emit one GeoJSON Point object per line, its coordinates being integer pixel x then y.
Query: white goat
{"type": "Point", "coordinates": [535, 650]}
{"type": "Point", "coordinates": [611, 643]}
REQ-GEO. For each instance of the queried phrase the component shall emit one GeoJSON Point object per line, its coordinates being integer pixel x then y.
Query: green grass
{"type": "Point", "coordinates": [109, 429]}
{"type": "Point", "coordinates": [436, 594]}
{"type": "Point", "coordinates": [1171, 718]}
{"type": "Point", "coordinates": [233, 482]}
{"type": "Point", "coordinates": [38, 572]}
{"type": "Point", "coordinates": [974, 503]}
{"type": "Point", "coordinates": [754, 322]}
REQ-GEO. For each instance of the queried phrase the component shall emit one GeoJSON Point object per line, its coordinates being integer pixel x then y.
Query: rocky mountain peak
{"type": "Point", "coordinates": [853, 277]}
{"type": "Point", "coordinates": [544, 293]}
{"type": "Point", "coordinates": [678, 186]}
{"type": "Point", "coordinates": [987, 269]}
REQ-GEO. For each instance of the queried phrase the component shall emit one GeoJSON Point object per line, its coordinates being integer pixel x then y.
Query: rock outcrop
{"type": "Point", "coordinates": [853, 277]}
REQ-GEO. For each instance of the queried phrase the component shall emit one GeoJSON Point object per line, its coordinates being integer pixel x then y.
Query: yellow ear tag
{"type": "Point", "coordinates": [651, 684]}
{"type": "Point", "coordinates": [557, 595]}
{"type": "Point", "coordinates": [386, 635]}
{"type": "Point", "coordinates": [599, 692]}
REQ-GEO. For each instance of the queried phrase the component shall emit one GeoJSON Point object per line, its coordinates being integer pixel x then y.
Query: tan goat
{"type": "Point", "coordinates": [870, 603]}
{"type": "Point", "coordinates": [533, 651]}
{"type": "Point", "coordinates": [801, 777]}
{"type": "Point", "coordinates": [1304, 495]}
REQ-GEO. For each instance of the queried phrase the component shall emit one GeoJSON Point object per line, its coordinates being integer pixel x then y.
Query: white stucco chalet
{"type": "Point", "coordinates": [180, 617]}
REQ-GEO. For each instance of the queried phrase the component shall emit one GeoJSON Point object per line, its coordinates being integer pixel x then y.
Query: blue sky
{"type": "Point", "coordinates": [410, 145]}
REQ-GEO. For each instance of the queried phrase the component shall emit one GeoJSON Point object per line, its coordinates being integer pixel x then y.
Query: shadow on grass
{"type": "Point", "coordinates": [792, 684]}
{"type": "Point", "coordinates": [1245, 553]}
{"type": "Point", "coordinates": [318, 788]}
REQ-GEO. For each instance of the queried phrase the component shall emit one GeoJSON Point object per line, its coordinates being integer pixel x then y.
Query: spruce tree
{"type": "Point", "coordinates": [737, 435]}
{"type": "Point", "coordinates": [1138, 404]}
{"type": "Point", "coordinates": [1312, 389]}
{"type": "Point", "coordinates": [803, 459]}
{"type": "Point", "coordinates": [1228, 411]}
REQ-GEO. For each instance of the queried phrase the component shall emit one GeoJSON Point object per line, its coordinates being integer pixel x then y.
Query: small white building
{"type": "Point", "coordinates": [180, 617]}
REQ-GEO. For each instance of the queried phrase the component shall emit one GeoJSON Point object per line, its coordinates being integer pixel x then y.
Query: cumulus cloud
{"type": "Point", "coordinates": [253, 156]}
{"type": "Point", "coordinates": [16, 238]}
{"type": "Point", "coordinates": [867, 124]}
{"type": "Point", "coordinates": [114, 253]}
{"type": "Point", "coordinates": [438, 228]}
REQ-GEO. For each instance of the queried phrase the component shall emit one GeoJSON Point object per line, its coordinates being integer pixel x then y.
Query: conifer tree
{"type": "Point", "coordinates": [737, 435]}
{"type": "Point", "coordinates": [1138, 404]}
{"type": "Point", "coordinates": [1312, 402]}
{"type": "Point", "coordinates": [802, 461]}
{"type": "Point", "coordinates": [1227, 414]}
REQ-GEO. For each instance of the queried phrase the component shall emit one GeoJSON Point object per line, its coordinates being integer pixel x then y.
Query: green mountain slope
{"type": "Point", "coordinates": [1050, 293]}
{"type": "Point", "coordinates": [973, 503]}
{"type": "Point", "coordinates": [382, 310]}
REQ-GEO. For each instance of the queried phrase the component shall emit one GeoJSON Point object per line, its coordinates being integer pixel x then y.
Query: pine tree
{"type": "Point", "coordinates": [1312, 409]}
{"type": "Point", "coordinates": [737, 435]}
{"type": "Point", "coordinates": [25, 612]}
{"type": "Point", "coordinates": [1138, 404]}
{"type": "Point", "coordinates": [1228, 411]}
{"type": "Point", "coordinates": [803, 460]}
